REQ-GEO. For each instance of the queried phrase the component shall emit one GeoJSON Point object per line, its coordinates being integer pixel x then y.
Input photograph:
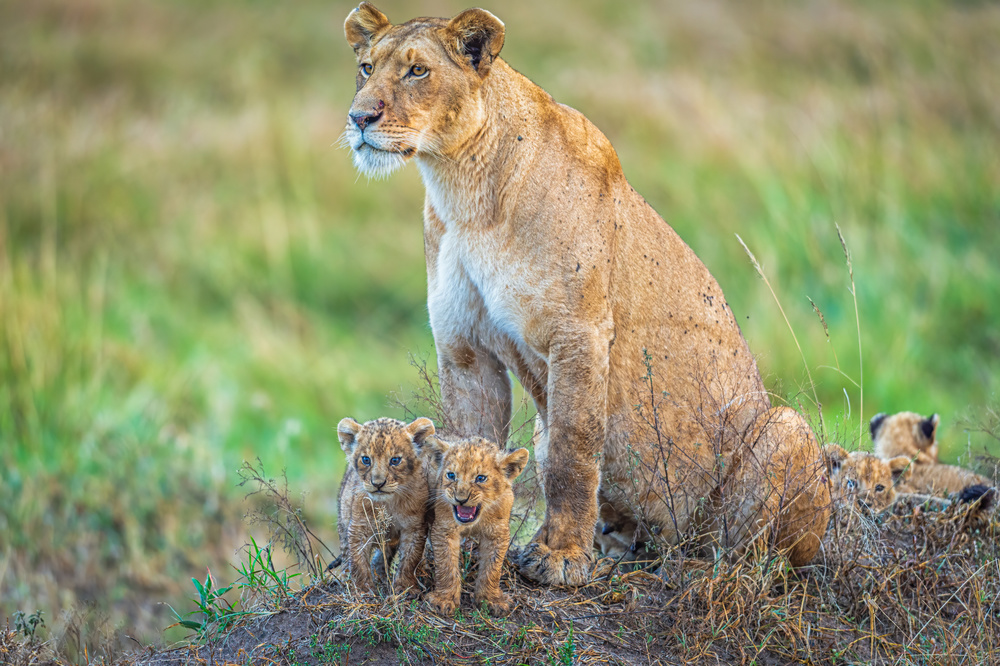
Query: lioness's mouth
{"type": "Point", "coordinates": [465, 514]}
{"type": "Point", "coordinates": [405, 152]}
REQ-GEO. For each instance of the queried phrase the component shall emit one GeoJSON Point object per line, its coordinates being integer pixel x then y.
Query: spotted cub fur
{"type": "Point", "coordinates": [473, 496]}
{"type": "Point", "coordinates": [911, 435]}
{"type": "Point", "coordinates": [384, 498]}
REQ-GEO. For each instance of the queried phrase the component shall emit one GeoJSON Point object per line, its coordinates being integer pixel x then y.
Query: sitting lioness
{"type": "Point", "coordinates": [543, 261]}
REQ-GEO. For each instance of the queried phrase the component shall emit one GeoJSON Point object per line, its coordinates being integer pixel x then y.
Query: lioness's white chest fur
{"type": "Point", "coordinates": [484, 287]}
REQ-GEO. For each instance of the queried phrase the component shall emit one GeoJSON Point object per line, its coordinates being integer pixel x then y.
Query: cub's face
{"type": "Point", "coordinates": [417, 84]}
{"type": "Point", "coordinates": [385, 453]}
{"type": "Point", "coordinates": [864, 480]}
{"type": "Point", "coordinates": [474, 474]}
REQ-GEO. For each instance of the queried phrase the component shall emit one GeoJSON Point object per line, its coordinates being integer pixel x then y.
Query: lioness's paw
{"type": "Point", "coordinates": [539, 563]}
{"type": "Point", "coordinates": [443, 603]}
{"type": "Point", "coordinates": [496, 604]}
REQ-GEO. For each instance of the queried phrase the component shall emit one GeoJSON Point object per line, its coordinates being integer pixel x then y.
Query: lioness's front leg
{"type": "Point", "coordinates": [476, 392]}
{"type": "Point", "coordinates": [560, 552]}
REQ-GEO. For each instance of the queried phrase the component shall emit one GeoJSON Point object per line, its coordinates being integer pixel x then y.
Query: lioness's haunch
{"type": "Point", "coordinates": [543, 261]}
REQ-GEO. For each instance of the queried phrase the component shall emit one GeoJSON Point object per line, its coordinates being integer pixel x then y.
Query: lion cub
{"type": "Point", "coordinates": [913, 436]}
{"type": "Point", "coordinates": [384, 496]}
{"type": "Point", "coordinates": [861, 479]}
{"type": "Point", "coordinates": [473, 497]}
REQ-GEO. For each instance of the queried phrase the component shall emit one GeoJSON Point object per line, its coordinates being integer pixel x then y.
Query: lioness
{"type": "Point", "coordinates": [543, 261]}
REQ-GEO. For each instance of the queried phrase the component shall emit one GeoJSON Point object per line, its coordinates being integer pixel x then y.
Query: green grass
{"type": "Point", "coordinates": [192, 275]}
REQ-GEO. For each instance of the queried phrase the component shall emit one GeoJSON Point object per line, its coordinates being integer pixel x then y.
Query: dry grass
{"type": "Point", "coordinates": [912, 588]}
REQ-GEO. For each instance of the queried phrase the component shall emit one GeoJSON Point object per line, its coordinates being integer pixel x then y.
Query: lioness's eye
{"type": "Point", "coordinates": [418, 71]}
{"type": "Point", "coordinates": [879, 488]}
{"type": "Point", "coordinates": [451, 476]}
{"type": "Point", "coordinates": [365, 460]}
{"type": "Point", "coordinates": [481, 478]}
{"type": "Point", "coordinates": [366, 70]}
{"type": "Point", "coordinates": [395, 461]}
{"type": "Point", "coordinates": [850, 484]}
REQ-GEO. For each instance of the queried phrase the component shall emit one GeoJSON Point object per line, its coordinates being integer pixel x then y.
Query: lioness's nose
{"type": "Point", "coordinates": [365, 118]}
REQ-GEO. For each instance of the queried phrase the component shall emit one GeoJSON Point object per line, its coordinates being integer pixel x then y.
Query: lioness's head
{"type": "Point", "coordinates": [863, 479]}
{"type": "Point", "coordinates": [385, 453]}
{"type": "Point", "coordinates": [418, 84]}
{"type": "Point", "coordinates": [474, 473]}
{"type": "Point", "coordinates": [905, 428]}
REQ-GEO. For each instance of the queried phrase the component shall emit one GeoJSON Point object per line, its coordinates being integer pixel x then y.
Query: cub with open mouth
{"type": "Point", "coordinates": [473, 497]}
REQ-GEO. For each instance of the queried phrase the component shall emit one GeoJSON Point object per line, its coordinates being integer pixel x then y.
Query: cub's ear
{"type": "Point", "coordinates": [876, 423]}
{"type": "Point", "coordinates": [433, 450]}
{"type": "Point", "coordinates": [347, 433]}
{"type": "Point", "coordinates": [420, 430]}
{"type": "Point", "coordinates": [363, 23]}
{"type": "Point", "coordinates": [929, 425]}
{"type": "Point", "coordinates": [900, 468]}
{"type": "Point", "coordinates": [478, 36]}
{"type": "Point", "coordinates": [513, 463]}
{"type": "Point", "coordinates": [834, 456]}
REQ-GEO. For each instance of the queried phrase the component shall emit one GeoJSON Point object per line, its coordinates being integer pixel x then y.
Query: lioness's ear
{"type": "Point", "coordinates": [929, 425]}
{"type": "Point", "coordinates": [834, 456]}
{"type": "Point", "coordinates": [420, 430]}
{"type": "Point", "coordinates": [347, 433]}
{"type": "Point", "coordinates": [513, 464]}
{"type": "Point", "coordinates": [876, 423]}
{"type": "Point", "coordinates": [363, 23]}
{"type": "Point", "coordinates": [478, 36]}
{"type": "Point", "coordinates": [901, 469]}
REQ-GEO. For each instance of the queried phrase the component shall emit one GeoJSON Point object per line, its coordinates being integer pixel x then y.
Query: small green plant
{"type": "Point", "coordinates": [261, 576]}
{"type": "Point", "coordinates": [219, 613]}
{"type": "Point", "coordinates": [27, 624]}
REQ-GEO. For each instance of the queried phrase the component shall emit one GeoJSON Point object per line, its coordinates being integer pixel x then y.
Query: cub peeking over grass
{"type": "Point", "coordinates": [383, 498]}
{"type": "Point", "coordinates": [473, 497]}
{"type": "Point", "coordinates": [864, 480]}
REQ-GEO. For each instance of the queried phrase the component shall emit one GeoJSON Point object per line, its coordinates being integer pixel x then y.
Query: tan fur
{"type": "Point", "coordinates": [383, 505]}
{"type": "Point", "coordinates": [543, 261]}
{"type": "Point", "coordinates": [460, 480]}
{"type": "Point", "coordinates": [863, 480]}
{"type": "Point", "coordinates": [914, 436]}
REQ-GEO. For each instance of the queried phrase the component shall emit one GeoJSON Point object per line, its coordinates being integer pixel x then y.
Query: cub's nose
{"type": "Point", "coordinates": [365, 118]}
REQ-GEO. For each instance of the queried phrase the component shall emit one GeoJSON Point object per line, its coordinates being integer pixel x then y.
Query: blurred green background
{"type": "Point", "coordinates": [191, 274]}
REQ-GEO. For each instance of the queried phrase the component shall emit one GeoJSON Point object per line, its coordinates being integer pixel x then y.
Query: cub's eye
{"type": "Point", "coordinates": [365, 460]}
{"type": "Point", "coordinates": [366, 70]}
{"type": "Point", "coordinates": [879, 488]}
{"type": "Point", "coordinates": [451, 476]}
{"type": "Point", "coordinates": [418, 71]}
{"type": "Point", "coordinates": [850, 484]}
{"type": "Point", "coordinates": [395, 461]}
{"type": "Point", "coordinates": [481, 478]}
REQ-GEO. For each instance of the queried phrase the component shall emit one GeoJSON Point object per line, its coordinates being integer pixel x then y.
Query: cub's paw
{"type": "Point", "coordinates": [443, 603]}
{"type": "Point", "coordinates": [539, 563]}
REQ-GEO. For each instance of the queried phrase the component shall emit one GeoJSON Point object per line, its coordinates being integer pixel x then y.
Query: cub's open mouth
{"type": "Point", "coordinates": [466, 514]}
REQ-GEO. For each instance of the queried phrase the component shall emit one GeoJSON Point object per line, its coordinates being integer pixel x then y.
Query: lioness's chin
{"type": "Point", "coordinates": [376, 163]}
